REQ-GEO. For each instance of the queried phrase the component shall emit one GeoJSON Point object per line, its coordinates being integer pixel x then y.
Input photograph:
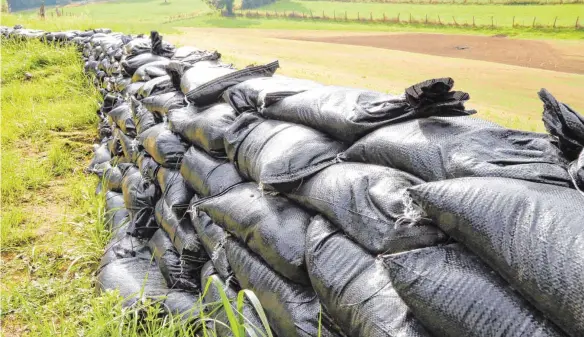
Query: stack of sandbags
{"type": "Point", "coordinates": [347, 212]}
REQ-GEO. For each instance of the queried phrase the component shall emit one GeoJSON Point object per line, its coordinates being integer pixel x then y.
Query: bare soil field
{"type": "Point", "coordinates": [502, 79]}
{"type": "Point", "coordinates": [555, 55]}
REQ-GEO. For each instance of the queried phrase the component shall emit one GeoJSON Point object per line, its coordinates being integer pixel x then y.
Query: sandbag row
{"type": "Point", "coordinates": [347, 212]}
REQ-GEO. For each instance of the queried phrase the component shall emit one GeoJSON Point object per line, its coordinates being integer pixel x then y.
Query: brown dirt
{"type": "Point", "coordinates": [524, 53]}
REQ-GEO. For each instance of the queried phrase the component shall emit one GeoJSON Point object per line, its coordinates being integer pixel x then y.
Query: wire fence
{"type": "Point", "coordinates": [430, 20]}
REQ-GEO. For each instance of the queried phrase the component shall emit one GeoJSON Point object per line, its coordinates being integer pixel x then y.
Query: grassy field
{"type": "Point", "coordinates": [52, 233]}
{"type": "Point", "coordinates": [502, 15]}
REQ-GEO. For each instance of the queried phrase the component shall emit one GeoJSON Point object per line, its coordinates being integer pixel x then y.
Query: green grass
{"type": "Point", "coordinates": [52, 231]}
{"type": "Point", "coordinates": [502, 15]}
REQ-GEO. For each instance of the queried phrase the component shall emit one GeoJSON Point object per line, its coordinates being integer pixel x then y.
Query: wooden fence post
{"type": "Point", "coordinates": [473, 21]}
{"type": "Point", "coordinates": [513, 25]}
{"type": "Point", "coordinates": [346, 16]}
{"type": "Point", "coordinates": [358, 17]}
{"type": "Point", "coordinates": [384, 20]}
{"type": "Point", "coordinates": [533, 24]}
{"type": "Point", "coordinates": [555, 20]}
{"type": "Point", "coordinates": [398, 14]}
{"type": "Point", "coordinates": [410, 22]}
{"type": "Point", "coordinates": [577, 19]}
{"type": "Point", "coordinates": [426, 19]}
{"type": "Point", "coordinates": [370, 16]}
{"type": "Point", "coordinates": [439, 22]}
{"type": "Point", "coordinates": [453, 19]}
{"type": "Point", "coordinates": [492, 23]}
{"type": "Point", "coordinates": [323, 14]}
{"type": "Point", "coordinates": [311, 15]}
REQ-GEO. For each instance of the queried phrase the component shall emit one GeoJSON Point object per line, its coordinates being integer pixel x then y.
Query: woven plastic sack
{"type": "Point", "coordinates": [530, 233]}
{"type": "Point", "coordinates": [453, 293]}
{"type": "Point", "coordinates": [178, 274]}
{"type": "Point", "coordinates": [204, 128]}
{"type": "Point", "coordinates": [150, 71]}
{"type": "Point", "coordinates": [140, 196]}
{"type": "Point", "coordinates": [148, 166]}
{"type": "Point", "coordinates": [270, 225]}
{"type": "Point", "coordinates": [121, 115]}
{"type": "Point", "coordinates": [348, 114]}
{"type": "Point", "coordinates": [156, 86]}
{"type": "Point", "coordinates": [113, 176]}
{"type": "Point", "coordinates": [368, 203]}
{"type": "Point", "coordinates": [354, 286]}
{"type": "Point", "coordinates": [181, 233]}
{"type": "Point", "coordinates": [291, 309]}
{"type": "Point", "coordinates": [208, 175]}
{"type": "Point", "coordinates": [175, 191]}
{"type": "Point", "coordinates": [258, 93]}
{"type": "Point", "coordinates": [131, 64]}
{"type": "Point", "coordinates": [116, 214]}
{"type": "Point", "coordinates": [143, 119]}
{"type": "Point", "coordinates": [163, 145]}
{"type": "Point", "coordinates": [213, 239]}
{"type": "Point", "coordinates": [129, 146]}
{"type": "Point", "coordinates": [274, 152]}
{"type": "Point", "coordinates": [206, 84]}
{"type": "Point", "coordinates": [445, 148]}
{"type": "Point", "coordinates": [161, 104]}
{"type": "Point", "coordinates": [101, 154]}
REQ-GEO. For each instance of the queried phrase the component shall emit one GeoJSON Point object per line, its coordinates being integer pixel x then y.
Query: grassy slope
{"type": "Point", "coordinates": [503, 15]}
{"type": "Point", "coordinates": [52, 235]}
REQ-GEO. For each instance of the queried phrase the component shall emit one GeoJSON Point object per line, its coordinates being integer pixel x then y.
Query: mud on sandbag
{"type": "Point", "coordinates": [530, 233]}
{"type": "Point", "coordinates": [150, 71]}
{"type": "Point", "coordinates": [209, 84]}
{"type": "Point", "coordinates": [439, 148]}
{"type": "Point", "coordinates": [112, 178]}
{"type": "Point", "coordinates": [354, 286]}
{"type": "Point", "coordinates": [368, 203]}
{"type": "Point", "coordinates": [203, 127]}
{"type": "Point", "coordinates": [270, 225]}
{"type": "Point", "coordinates": [181, 233]}
{"type": "Point", "coordinates": [143, 119]}
{"type": "Point", "coordinates": [212, 298]}
{"type": "Point", "coordinates": [213, 239]}
{"type": "Point", "coordinates": [177, 273]}
{"type": "Point", "coordinates": [175, 190]}
{"type": "Point", "coordinates": [257, 93]}
{"type": "Point", "coordinates": [441, 285]}
{"type": "Point", "coordinates": [156, 86]}
{"type": "Point", "coordinates": [348, 114]}
{"type": "Point", "coordinates": [208, 175]}
{"type": "Point", "coordinates": [140, 196]}
{"type": "Point", "coordinates": [163, 145]}
{"type": "Point", "coordinates": [116, 214]}
{"type": "Point", "coordinates": [274, 152]}
{"type": "Point", "coordinates": [148, 166]}
{"type": "Point", "coordinates": [161, 104]}
{"type": "Point", "coordinates": [291, 309]}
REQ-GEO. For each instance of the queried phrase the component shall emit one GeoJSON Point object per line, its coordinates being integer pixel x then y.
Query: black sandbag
{"type": "Point", "coordinates": [156, 86]}
{"type": "Point", "coordinates": [131, 64]}
{"type": "Point", "coordinates": [567, 128]}
{"type": "Point", "coordinates": [138, 278]}
{"type": "Point", "coordinates": [206, 55]}
{"type": "Point", "coordinates": [160, 47]}
{"type": "Point", "coordinates": [442, 285]}
{"type": "Point", "coordinates": [133, 88]}
{"type": "Point", "coordinates": [368, 203]}
{"type": "Point", "coordinates": [129, 146]}
{"type": "Point", "coordinates": [185, 51]}
{"type": "Point", "coordinates": [116, 214]}
{"type": "Point", "coordinates": [123, 246]}
{"type": "Point", "coordinates": [138, 46]}
{"type": "Point", "coordinates": [114, 175]}
{"type": "Point", "coordinates": [530, 233]}
{"type": "Point", "coordinates": [208, 175]}
{"type": "Point", "coordinates": [255, 94]}
{"type": "Point", "coordinates": [121, 115]}
{"type": "Point", "coordinates": [161, 104]}
{"type": "Point", "coordinates": [208, 86]}
{"type": "Point", "coordinates": [204, 128]}
{"type": "Point", "coordinates": [140, 196]}
{"type": "Point", "coordinates": [175, 190]}
{"type": "Point", "coordinates": [445, 148]}
{"type": "Point", "coordinates": [291, 309]}
{"type": "Point", "coordinates": [355, 287]}
{"type": "Point", "coordinates": [114, 145]}
{"type": "Point", "coordinates": [101, 154]}
{"type": "Point", "coordinates": [347, 114]}
{"type": "Point", "coordinates": [270, 226]}
{"type": "Point", "coordinates": [143, 119]}
{"type": "Point", "coordinates": [150, 71]}
{"type": "Point", "coordinates": [212, 298]}
{"type": "Point", "coordinates": [148, 166]}
{"type": "Point", "coordinates": [121, 83]}
{"type": "Point", "coordinates": [182, 234]}
{"type": "Point", "coordinates": [163, 145]}
{"type": "Point", "coordinates": [178, 274]}
{"type": "Point", "coordinates": [213, 239]}
{"type": "Point", "coordinates": [198, 73]}
{"type": "Point", "coordinates": [274, 152]}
